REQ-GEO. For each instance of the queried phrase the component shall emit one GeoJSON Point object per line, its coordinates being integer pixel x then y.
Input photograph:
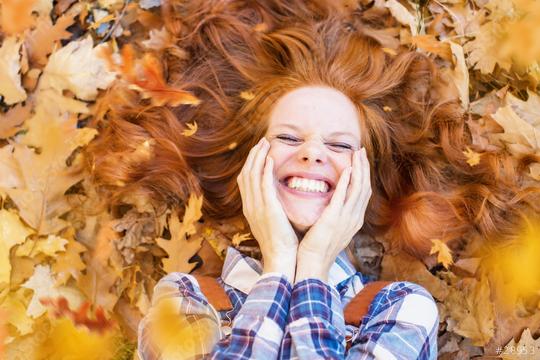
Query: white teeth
{"type": "Point", "coordinates": [307, 185]}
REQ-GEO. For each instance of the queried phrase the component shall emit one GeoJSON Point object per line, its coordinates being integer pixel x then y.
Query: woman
{"type": "Point", "coordinates": [259, 68]}
{"type": "Point", "coordinates": [292, 310]}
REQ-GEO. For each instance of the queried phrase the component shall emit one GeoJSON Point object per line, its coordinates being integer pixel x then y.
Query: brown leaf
{"type": "Point", "coordinates": [41, 41]}
{"type": "Point", "coordinates": [16, 16]}
{"type": "Point", "coordinates": [471, 310]}
{"type": "Point", "coordinates": [11, 121]}
{"type": "Point", "coordinates": [404, 267]}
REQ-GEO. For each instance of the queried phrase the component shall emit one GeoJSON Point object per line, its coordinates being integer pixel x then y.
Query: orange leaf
{"type": "Point", "coordinates": [16, 16]}
{"type": "Point", "coordinates": [98, 323]}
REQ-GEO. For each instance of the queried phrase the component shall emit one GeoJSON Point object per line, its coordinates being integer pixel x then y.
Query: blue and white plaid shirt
{"type": "Point", "coordinates": [272, 319]}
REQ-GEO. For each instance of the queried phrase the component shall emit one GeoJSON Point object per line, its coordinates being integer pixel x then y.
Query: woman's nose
{"type": "Point", "coordinates": [312, 151]}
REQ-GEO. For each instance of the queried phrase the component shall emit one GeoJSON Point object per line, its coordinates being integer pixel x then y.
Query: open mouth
{"type": "Point", "coordinates": [299, 188]}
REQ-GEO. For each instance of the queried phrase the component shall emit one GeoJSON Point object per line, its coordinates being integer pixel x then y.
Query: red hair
{"type": "Point", "coordinates": [412, 124]}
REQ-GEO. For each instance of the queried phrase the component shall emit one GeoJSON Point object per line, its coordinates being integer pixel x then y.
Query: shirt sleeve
{"type": "Point", "coordinates": [182, 324]}
{"type": "Point", "coordinates": [401, 323]}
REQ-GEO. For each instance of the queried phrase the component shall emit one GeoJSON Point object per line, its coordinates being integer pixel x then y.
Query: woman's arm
{"type": "Point", "coordinates": [181, 324]}
{"type": "Point", "coordinates": [402, 323]}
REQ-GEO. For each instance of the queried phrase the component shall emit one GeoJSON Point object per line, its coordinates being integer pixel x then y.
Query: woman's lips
{"type": "Point", "coordinates": [305, 194]}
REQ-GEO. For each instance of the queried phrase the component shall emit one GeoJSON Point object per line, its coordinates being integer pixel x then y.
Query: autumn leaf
{"type": "Point", "coordinates": [175, 335]}
{"type": "Point", "coordinates": [526, 348]}
{"type": "Point", "coordinates": [78, 68]}
{"type": "Point", "coordinates": [179, 248]}
{"type": "Point", "coordinates": [431, 44]}
{"type": "Point", "coordinates": [473, 158]}
{"type": "Point", "coordinates": [146, 76]}
{"type": "Point", "coordinates": [247, 95]}
{"type": "Point", "coordinates": [68, 341]}
{"type": "Point", "coordinates": [238, 238]}
{"type": "Point", "coordinates": [16, 16]}
{"type": "Point", "coordinates": [470, 307]}
{"type": "Point", "coordinates": [192, 129]}
{"type": "Point", "coordinates": [444, 254]}
{"type": "Point", "coordinates": [10, 80]}
{"type": "Point", "coordinates": [41, 41]}
{"type": "Point", "coordinates": [11, 121]}
{"type": "Point", "coordinates": [12, 232]}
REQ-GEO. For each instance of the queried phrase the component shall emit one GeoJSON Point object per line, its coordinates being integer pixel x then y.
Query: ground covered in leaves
{"type": "Point", "coordinates": [74, 281]}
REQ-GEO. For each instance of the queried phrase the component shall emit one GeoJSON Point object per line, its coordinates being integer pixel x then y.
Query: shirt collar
{"type": "Point", "coordinates": [242, 272]}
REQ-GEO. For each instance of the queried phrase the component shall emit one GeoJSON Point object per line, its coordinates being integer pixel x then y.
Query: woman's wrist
{"type": "Point", "coordinates": [310, 266]}
{"type": "Point", "coordinates": [285, 265]}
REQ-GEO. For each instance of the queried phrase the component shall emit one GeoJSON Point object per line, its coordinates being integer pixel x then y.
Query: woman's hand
{"type": "Point", "coordinates": [263, 210]}
{"type": "Point", "coordinates": [339, 222]}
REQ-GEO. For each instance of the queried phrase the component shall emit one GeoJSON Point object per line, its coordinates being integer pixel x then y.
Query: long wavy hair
{"type": "Point", "coordinates": [412, 124]}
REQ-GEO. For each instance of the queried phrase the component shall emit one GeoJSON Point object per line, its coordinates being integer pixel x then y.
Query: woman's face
{"type": "Point", "coordinates": [313, 132]}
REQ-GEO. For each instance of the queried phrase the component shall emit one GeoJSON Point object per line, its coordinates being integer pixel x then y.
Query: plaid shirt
{"type": "Point", "coordinates": [272, 319]}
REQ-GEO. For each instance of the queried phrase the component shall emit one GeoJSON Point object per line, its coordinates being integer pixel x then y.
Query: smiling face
{"type": "Point", "coordinates": [313, 132]}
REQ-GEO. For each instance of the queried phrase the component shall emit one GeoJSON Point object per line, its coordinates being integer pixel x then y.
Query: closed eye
{"type": "Point", "coordinates": [294, 140]}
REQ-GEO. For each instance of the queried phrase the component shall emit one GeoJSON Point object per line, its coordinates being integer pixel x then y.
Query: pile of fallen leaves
{"type": "Point", "coordinates": [75, 279]}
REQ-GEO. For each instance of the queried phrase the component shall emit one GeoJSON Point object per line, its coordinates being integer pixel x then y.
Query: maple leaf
{"type": "Point", "coordinates": [179, 248]}
{"type": "Point", "coordinates": [431, 44]}
{"type": "Point", "coordinates": [469, 305]}
{"type": "Point", "coordinates": [98, 322]}
{"type": "Point", "coordinates": [43, 285]}
{"type": "Point", "coordinates": [103, 268]}
{"type": "Point", "coordinates": [16, 16]}
{"type": "Point", "coordinates": [473, 158]}
{"type": "Point", "coordinates": [405, 267]}
{"type": "Point", "coordinates": [14, 305]}
{"type": "Point", "coordinates": [66, 340]}
{"type": "Point", "coordinates": [192, 129]}
{"type": "Point", "coordinates": [526, 349]}
{"type": "Point", "coordinates": [78, 68]}
{"type": "Point", "coordinates": [41, 41]}
{"type": "Point", "coordinates": [10, 80]}
{"type": "Point", "coordinates": [48, 246]}
{"type": "Point", "coordinates": [238, 238]}
{"type": "Point", "coordinates": [45, 177]}
{"type": "Point", "coordinates": [69, 263]}
{"type": "Point", "coordinates": [444, 254]}
{"type": "Point", "coordinates": [146, 76]}
{"type": "Point", "coordinates": [12, 232]}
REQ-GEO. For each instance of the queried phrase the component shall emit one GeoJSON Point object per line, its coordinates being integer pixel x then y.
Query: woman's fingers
{"type": "Point", "coordinates": [245, 181]}
{"type": "Point", "coordinates": [356, 181]}
{"type": "Point", "coordinates": [340, 192]}
{"type": "Point", "coordinates": [257, 171]}
{"type": "Point", "coordinates": [270, 196]}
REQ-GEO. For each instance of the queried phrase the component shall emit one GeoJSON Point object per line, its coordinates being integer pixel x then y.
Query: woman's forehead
{"type": "Point", "coordinates": [316, 107]}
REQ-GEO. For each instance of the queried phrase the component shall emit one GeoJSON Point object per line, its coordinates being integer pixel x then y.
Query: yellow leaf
{"type": "Point", "coordinates": [192, 129]}
{"type": "Point", "coordinates": [43, 285]}
{"type": "Point", "coordinates": [238, 238]}
{"type": "Point", "coordinates": [179, 248]}
{"type": "Point", "coordinates": [470, 307]}
{"type": "Point", "coordinates": [49, 246]}
{"type": "Point", "coordinates": [12, 232]}
{"type": "Point", "coordinates": [10, 80]}
{"type": "Point", "coordinates": [526, 349]}
{"type": "Point", "coordinates": [69, 262]}
{"type": "Point", "coordinates": [15, 308]}
{"type": "Point", "coordinates": [473, 158]}
{"type": "Point", "coordinates": [445, 255]}
{"type": "Point", "coordinates": [67, 341]}
{"type": "Point", "coordinates": [77, 67]}
{"type": "Point", "coordinates": [177, 336]}
{"type": "Point", "coordinates": [247, 95]}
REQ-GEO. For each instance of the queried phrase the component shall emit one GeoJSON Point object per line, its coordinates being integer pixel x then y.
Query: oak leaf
{"type": "Point", "coordinates": [10, 80]}
{"type": "Point", "coordinates": [12, 232]}
{"type": "Point", "coordinates": [444, 255]}
{"type": "Point", "coordinates": [179, 248]}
